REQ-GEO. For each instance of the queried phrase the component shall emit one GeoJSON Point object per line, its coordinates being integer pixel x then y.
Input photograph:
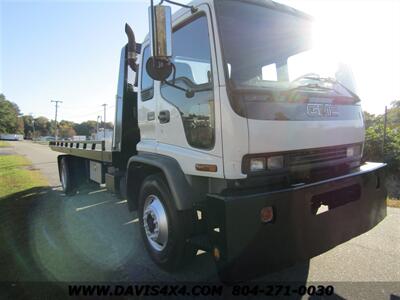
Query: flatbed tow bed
{"type": "Point", "coordinates": [94, 150]}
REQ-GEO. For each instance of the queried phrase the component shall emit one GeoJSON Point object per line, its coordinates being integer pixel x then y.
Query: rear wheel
{"type": "Point", "coordinates": [162, 226]}
{"type": "Point", "coordinates": [66, 176]}
{"type": "Point", "coordinates": [122, 187]}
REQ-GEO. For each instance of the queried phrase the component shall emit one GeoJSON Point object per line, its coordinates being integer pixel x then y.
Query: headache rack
{"type": "Point", "coordinates": [94, 150]}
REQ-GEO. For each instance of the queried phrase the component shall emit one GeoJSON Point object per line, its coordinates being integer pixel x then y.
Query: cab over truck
{"type": "Point", "coordinates": [230, 137]}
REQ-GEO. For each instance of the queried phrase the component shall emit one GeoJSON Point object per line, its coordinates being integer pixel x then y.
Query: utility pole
{"type": "Point", "coordinates": [33, 126]}
{"type": "Point", "coordinates": [384, 133]}
{"type": "Point", "coordinates": [104, 120]}
{"type": "Point", "coordinates": [55, 119]}
{"type": "Point", "coordinates": [97, 125]}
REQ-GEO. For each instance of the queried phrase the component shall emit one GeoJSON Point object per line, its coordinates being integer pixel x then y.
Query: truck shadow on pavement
{"type": "Point", "coordinates": [49, 237]}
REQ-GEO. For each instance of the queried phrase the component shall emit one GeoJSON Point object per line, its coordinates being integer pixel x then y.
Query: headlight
{"type": "Point", "coordinates": [257, 164]}
{"type": "Point", "coordinates": [275, 162]}
{"type": "Point", "coordinates": [353, 151]}
{"type": "Point", "coordinates": [261, 163]}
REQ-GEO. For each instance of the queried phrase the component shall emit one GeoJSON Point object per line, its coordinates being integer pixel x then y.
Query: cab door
{"type": "Point", "coordinates": [188, 122]}
{"type": "Point", "coordinates": [146, 107]}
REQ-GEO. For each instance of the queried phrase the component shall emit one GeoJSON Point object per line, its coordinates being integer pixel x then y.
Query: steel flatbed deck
{"type": "Point", "coordinates": [94, 150]}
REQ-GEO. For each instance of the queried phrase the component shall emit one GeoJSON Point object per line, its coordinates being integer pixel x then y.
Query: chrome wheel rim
{"type": "Point", "coordinates": [155, 223]}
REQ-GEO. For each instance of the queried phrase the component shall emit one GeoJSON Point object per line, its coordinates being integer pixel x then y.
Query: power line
{"type": "Point", "coordinates": [86, 107]}
{"type": "Point", "coordinates": [87, 114]}
{"type": "Point", "coordinates": [91, 113]}
{"type": "Point", "coordinates": [69, 117]}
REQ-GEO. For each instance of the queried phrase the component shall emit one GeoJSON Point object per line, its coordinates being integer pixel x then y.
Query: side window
{"type": "Point", "coordinates": [192, 60]}
{"type": "Point", "coordinates": [269, 73]}
{"type": "Point", "coordinates": [147, 84]}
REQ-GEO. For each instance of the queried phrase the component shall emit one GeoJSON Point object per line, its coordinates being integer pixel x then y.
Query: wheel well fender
{"type": "Point", "coordinates": [144, 164]}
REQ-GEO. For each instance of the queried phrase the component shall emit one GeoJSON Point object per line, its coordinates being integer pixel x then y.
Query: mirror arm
{"type": "Point", "coordinates": [174, 85]}
{"type": "Point", "coordinates": [174, 72]}
{"type": "Point", "coordinates": [192, 8]}
{"type": "Point", "coordinates": [188, 93]}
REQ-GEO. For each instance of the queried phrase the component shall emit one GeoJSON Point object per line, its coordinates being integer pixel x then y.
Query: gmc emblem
{"type": "Point", "coordinates": [322, 110]}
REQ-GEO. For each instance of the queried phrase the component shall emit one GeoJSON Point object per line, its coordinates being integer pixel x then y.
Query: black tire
{"type": "Point", "coordinates": [176, 252]}
{"type": "Point", "coordinates": [122, 192]}
{"type": "Point", "coordinates": [66, 176]}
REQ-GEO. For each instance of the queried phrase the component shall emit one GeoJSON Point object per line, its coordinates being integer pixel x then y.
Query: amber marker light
{"type": "Point", "coordinates": [206, 168]}
{"type": "Point", "coordinates": [267, 214]}
{"type": "Point", "coordinates": [216, 253]}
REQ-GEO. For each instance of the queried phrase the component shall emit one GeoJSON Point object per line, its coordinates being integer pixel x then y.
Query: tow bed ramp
{"type": "Point", "coordinates": [93, 150]}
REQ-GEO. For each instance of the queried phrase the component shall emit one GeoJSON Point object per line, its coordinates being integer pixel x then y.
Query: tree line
{"type": "Point", "coordinates": [389, 151]}
{"type": "Point", "coordinates": [13, 121]}
{"type": "Point", "coordinates": [381, 147]}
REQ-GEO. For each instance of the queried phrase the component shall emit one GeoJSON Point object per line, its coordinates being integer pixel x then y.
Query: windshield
{"type": "Point", "coordinates": [273, 48]}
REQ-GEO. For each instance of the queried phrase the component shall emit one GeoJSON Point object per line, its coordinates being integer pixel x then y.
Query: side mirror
{"type": "Point", "coordinates": [160, 20]}
{"type": "Point", "coordinates": [158, 69]}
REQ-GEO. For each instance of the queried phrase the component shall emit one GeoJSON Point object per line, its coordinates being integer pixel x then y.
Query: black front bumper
{"type": "Point", "coordinates": [247, 247]}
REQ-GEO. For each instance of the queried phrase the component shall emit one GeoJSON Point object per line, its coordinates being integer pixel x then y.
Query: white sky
{"type": "Point", "coordinates": [69, 50]}
{"type": "Point", "coordinates": [367, 34]}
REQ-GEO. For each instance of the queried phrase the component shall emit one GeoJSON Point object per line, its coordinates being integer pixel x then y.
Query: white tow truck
{"type": "Point", "coordinates": [227, 139]}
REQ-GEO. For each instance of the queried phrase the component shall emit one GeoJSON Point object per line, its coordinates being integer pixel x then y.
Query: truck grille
{"type": "Point", "coordinates": [315, 156]}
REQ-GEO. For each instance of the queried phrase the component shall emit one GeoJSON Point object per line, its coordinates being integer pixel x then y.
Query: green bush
{"type": "Point", "coordinates": [373, 148]}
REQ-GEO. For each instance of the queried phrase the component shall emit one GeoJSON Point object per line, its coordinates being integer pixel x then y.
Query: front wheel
{"type": "Point", "coordinates": [162, 226]}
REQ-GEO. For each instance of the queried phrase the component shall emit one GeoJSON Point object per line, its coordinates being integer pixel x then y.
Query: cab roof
{"type": "Point", "coordinates": [265, 3]}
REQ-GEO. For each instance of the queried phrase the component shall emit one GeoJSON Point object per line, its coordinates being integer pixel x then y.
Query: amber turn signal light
{"type": "Point", "coordinates": [216, 253]}
{"type": "Point", "coordinates": [206, 168]}
{"type": "Point", "coordinates": [267, 214]}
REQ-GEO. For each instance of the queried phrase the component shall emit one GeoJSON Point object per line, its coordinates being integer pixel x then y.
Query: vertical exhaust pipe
{"type": "Point", "coordinates": [131, 48]}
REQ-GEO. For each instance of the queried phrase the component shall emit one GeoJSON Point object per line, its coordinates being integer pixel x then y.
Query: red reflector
{"type": "Point", "coordinates": [267, 214]}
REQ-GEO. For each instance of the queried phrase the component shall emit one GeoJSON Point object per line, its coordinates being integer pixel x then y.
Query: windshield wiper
{"type": "Point", "coordinates": [311, 86]}
{"type": "Point", "coordinates": [334, 81]}
{"type": "Point", "coordinates": [330, 80]}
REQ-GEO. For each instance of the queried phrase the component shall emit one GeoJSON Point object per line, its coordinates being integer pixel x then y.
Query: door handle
{"type": "Point", "coordinates": [163, 116]}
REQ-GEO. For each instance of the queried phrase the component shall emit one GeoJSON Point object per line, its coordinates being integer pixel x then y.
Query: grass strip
{"type": "Point", "coordinates": [4, 144]}
{"type": "Point", "coordinates": [15, 175]}
{"type": "Point", "coordinates": [393, 202]}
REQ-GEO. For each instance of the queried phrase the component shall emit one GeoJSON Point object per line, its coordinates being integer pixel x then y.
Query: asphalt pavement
{"type": "Point", "coordinates": [92, 236]}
